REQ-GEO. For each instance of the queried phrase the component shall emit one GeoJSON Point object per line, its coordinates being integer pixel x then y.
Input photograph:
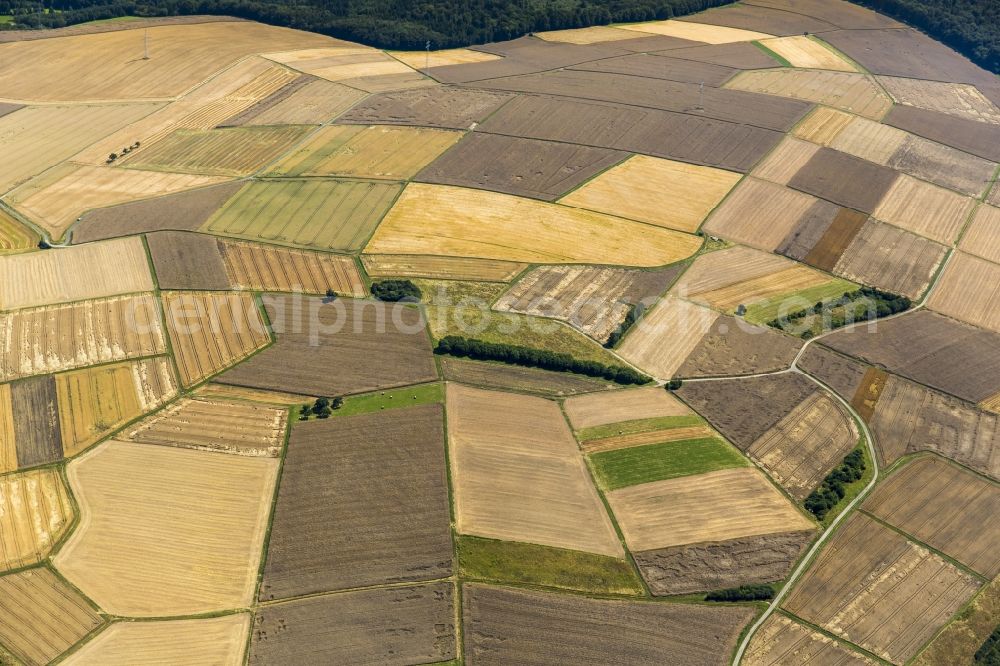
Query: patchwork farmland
{"type": "Point", "coordinates": [313, 352]}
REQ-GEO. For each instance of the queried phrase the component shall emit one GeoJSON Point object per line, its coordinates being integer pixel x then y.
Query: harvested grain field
{"type": "Point", "coordinates": [187, 261]}
{"type": "Point", "coordinates": [508, 626]}
{"type": "Point", "coordinates": [660, 192]}
{"type": "Point", "coordinates": [14, 236]}
{"type": "Point", "coordinates": [212, 152]}
{"type": "Point", "coordinates": [395, 626]}
{"type": "Point", "coordinates": [910, 418]}
{"type": "Point", "coordinates": [39, 137]}
{"type": "Point", "coordinates": [931, 349]}
{"type": "Point", "coordinates": [522, 380]}
{"type": "Point", "coordinates": [442, 58]}
{"type": "Point", "coordinates": [715, 506]}
{"type": "Point", "coordinates": [588, 411]}
{"type": "Point", "coordinates": [876, 589]}
{"type": "Point", "coordinates": [969, 290]}
{"type": "Point", "coordinates": [448, 268]}
{"type": "Point", "coordinates": [847, 91]}
{"type": "Point", "coordinates": [313, 214]}
{"type": "Point", "coordinates": [524, 167]}
{"type": "Point", "coordinates": [8, 450]}
{"type": "Point", "coordinates": [338, 525]}
{"type": "Point", "coordinates": [781, 640]}
{"type": "Point", "coordinates": [715, 270]}
{"type": "Point", "coordinates": [704, 446]}
{"type": "Point", "coordinates": [272, 268]}
{"type": "Point", "coordinates": [161, 553]}
{"type": "Point", "coordinates": [958, 99]}
{"type": "Point", "coordinates": [338, 348]}
{"type": "Point", "coordinates": [217, 640]}
{"type": "Point", "coordinates": [34, 404]}
{"type": "Point", "coordinates": [757, 17]}
{"type": "Point", "coordinates": [94, 402]}
{"type": "Point", "coordinates": [55, 200]}
{"type": "Point", "coordinates": [744, 409]}
{"type": "Point", "coordinates": [946, 507]}
{"type": "Point", "coordinates": [184, 55]}
{"type": "Point", "coordinates": [79, 334]}
{"type": "Point", "coordinates": [717, 565]}
{"type": "Point", "coordinates": [892, 259]}
{"type": "Point", "coordinates": [210, 331]}
{"type": "Point", "coordinates": [696, 32]}
{"type": "Point", "coordinates": [391, 153]}
{"type": "Point", "coordinates": [43, 617]}
{"type": "Point", "coordinates": [869, 140]}
{"type": "Point", "coordinates": [730, 290]}
{"type": "Point", "coordinates": [94, 270]}
{"type": "Point", "coordinates": [185, 211]}
{"type": "Point", "coordinates": [592, 300]}
{"type": "Point", "coordinates": [37, 511]}
{"type": "Point", "coordinates": [661, 341]}
{"type": "Point", "coordinates": [659, 66]}
{"type": "Point", "coordinates": [806, 444]}
{"type": "Point", "coordinates": [982, 238]}
{"type": "Point", "coordinates": [212, 391]}
{"type": "Point", "coordinates": [869, 390]}
{"type": "Point", "coordinates": [591, 35]}
{"type": "Point", "coordinates": [980, 139]}
{"type": "Point", "coordinates": [518, 475]}
{"type": "Point", "coordinates": [823, 125]}
{"type": "Point", "coordinates": [439, 106]}
{"type": "Point", "coordinates": [337, 63]}
{"type": "Point", "coordinates": [211, 425]}
{"type": "Point", "coordinates": [437, 219]}
{"type": "Point", "coordinates": [733, 347]}
{"type": "Point", "coordinates": [785, 161]}
{"type": "Point", "coordinates": [309, 102]}
{"type": "Point", "coordinates": [932, 212]}
{"type": "Point", "coordinates": [943, 166]}
{"type": "Point", "coordinates": [810, 53]}
{"type": "Point", "coordinates": [759, 214]}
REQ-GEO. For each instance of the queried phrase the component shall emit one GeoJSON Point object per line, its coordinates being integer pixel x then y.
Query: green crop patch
{"type": "Point", "coordinates": [767, 310]}
{"type": "Point", "coordinates": [531, 564]}
{"type": "Point", "coordinates": [669, 460]}
{"type": "Point", "coordinates": [638, 426]}
{"type": "Point", "coordinates": [421, 394]}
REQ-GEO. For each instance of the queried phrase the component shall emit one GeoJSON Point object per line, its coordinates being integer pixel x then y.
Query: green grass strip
{"type": "Point", "coordinates": [784, 61]}
{"type": "Point", "coordinates": [655, 462]}
{"type": "Point", "coordinates": [766, 310]}
{"type": "Point", "coordinates": [378, 400]}
{"type": "Point", "coordinates": [637, 426]}
{"type": "Point", "coordinates": [532, 564]}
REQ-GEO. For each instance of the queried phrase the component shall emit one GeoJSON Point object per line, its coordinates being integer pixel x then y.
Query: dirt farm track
{"type": "Point", "coordinates": [663, 342]}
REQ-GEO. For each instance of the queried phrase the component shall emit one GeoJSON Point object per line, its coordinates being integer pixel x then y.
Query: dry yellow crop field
{"type": "Point", "coordinates": [229, 393]}
{"type": "Point", "coordinates": [847, 91]}
{"type": "Point", "coordinates": [991, 404]}
{"type": "Point", "coordinates": [93, 402]}
{"type": "Point", "coordinates": [43, 617]}
{"type": "Point", "coordinates": [448, 268]}
{"type": "Point", "coordinates": [187, 540]}
{"type": "Point", "coordinates": [442, 58]}
{"type": "Point", "coordinates": [341, 63]}
{"type": "Point", "coordinates": [243, 429]}
{"type": "Point", "coordinates": [759, 214]}
{"type": "Point", "coordinates": [55, 206]}
{"type": "Point", "coordinates": [627, 441]}
{"type": "Point", "coordinates": [667, 334]}
{"type": "Point", "coordinates": [433, 219]}
{"type": "Point", "coordinates": [592, 35]}
{"type": "Point", "coordinates": [79, 334]}
{"type": "Point", "coordinates": [594, 409]}
{"type": "Point", "coordinates": [210, 331]}
{"type": "Point", "coordinates": [519, 476]}
{"type": "Point", "coordinates": [36, 138]}
{"type": "Point", "coordinates": [8, 451]}
{"type": "Point", "coordinates": [715, 506]}
{"type": "Point", "coordinates": [925, 209]}
{"type": "Point", "coordinates": [93, 270]}
{"type": "Point", "coordinates": [781, 165]}
{"type": "Point", "coordinates": [14, 236]}
{"type": "Point", "coordinates": [982, 238]}
{"type": "Point", "coordinates": [869, 140]}
{"type": "Point", "coordinates": [787, 282]}
{"type": "Point", "coordinates": [272, 268]}
{"type": "Point", "coordinates": [379, 151]}
{"type": "Point", "coordinates": [809, 53]}
{"type": "Point", "coordinates": [110, 65]}
{"type": "Point", "coordinates": [781, 640]}
{"type": "Point", "coordinates": [958, 99]}
{"type": "Point", "coordinates": [656, 191]}
{"type": "Point", "coordinates": [314, 102]}
{"type": "Point", "coordinates": [216, 641]}
{"type": "Point", "coordinates": [823, 125]}
{"type": "Point", "coordinates": [35, 511]}
{"type": "Point", "coordinates": [697, 32]}
{"type": "Point", "coordinates": [722, 268]}
{"type": "Point", "coordinates": [969, 290]}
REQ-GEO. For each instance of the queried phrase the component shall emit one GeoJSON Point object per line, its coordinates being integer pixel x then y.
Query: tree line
{"type": "Point", "coordinates": [834, 486]}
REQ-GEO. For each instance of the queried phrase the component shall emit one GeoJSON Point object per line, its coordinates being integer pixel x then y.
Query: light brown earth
{"type": "Point", "coordinates": [515, 378]}
{"type": "Point", "coordinates": [982, 238]}
{"type": "Point", "coordinates": [587, 411]}
{"type": "Point", "coordinates": [722, 268]}
{"type": "Point", "coordinates": [969, 290]}
{"type": "Point", "coordinates": [759, 214]}
{"type": "Point", "coordinates": [36, 512]}
{"type": "Point", "coordinates": [785, 161]}
{"type": "Point", "coordinates": [272, 268]}
{"type": "Point", "coordinates": [802, 51]}
{"type": "Point", "coordinates": [661, 342]}
{"type": "Point", "coordinates": [823, 125]}
{"type": "Point", "coordinates": [423, 59]}
{"type": "Point", "coordinates": [925, 209]}
{"type": "Point", "coordinates": [8, 451]}
{"type": "Point", "coordinates": [697, 32]}
{"type": "Point", "coordinates": [450, 268]}
{"type": "Point", "coordinates": [892, 259]}
{"type": "Point", "coordinates": [781, 640]}
{"type": "Point", "coordinates": [958, 99]}
{"type": "Point", "coordinates": [847, 91]}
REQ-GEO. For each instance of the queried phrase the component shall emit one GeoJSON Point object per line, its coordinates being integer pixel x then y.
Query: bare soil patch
{"type": "Point", "coordinates": [739, 55]}
{"type": "Point", "coordinates": [842, 374]}
{"type": "Point", "coordinates": [971, 136]}
{"type": "Point", "coordinates": [761, 214]}
{"type": "Point", "coordinates": [525, 380]}
{"type": "Point", "coordinates": [661, 67]}
{"type": "Point", "coordinates": [187, 261]}
{"type": "Point", "coordinates": [34, 403]}
{"type": "Point", "coordinates": [892, 259]}
{"type": "Point", "coordinates": [733, 347]}
{"type": "Point", "coordinates": [781, 640]}
{"type": "Point", "coordinates": [844, 180]}
{"type": "Point", "coordinates": [273, 268]}
{"type": "Point", "coordinates": [761, 19]}
{"type": "Point", "coordinates": [440, 106]}
{"type": "Point", "coordinates": [836, 239]}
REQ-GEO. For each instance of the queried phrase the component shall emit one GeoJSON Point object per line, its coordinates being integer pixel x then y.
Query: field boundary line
{"type": "Point", "coordinates": [346, 590]}
{"type": "Point", "coordinates": [854, 647]}
{"type": "Point", "coordinates": [456, 572]}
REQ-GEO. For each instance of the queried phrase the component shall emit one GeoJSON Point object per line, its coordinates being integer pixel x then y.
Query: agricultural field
{"type": "Point", "coordinates": [14, 236]}
{"type": "Point", "coordinates": [982, 238]}
{"type": "Point", "coordinates": [521, 380]}
{"type": "Point", "coordinates": [666, 336]}
{"type": "Point", "coordinates": [358, 67]}
{"type": "Point", "coordinates": [454, 221]}
{"type": "Point", "coordinates": [439, 106]}
{"type": "Point", "coordinates": [958, 99]}
{"type": "Point", "coordinates": [971, 136]}
{"type": "Point", "coordinates": [448, 268]}
{"type": "Point", "coordinates": [590, 411]}
{"type": "Point", "coordinates": [272, 268]}
{"type": "Point", "coordinates": [305, 101]}
{"type": "Point", "coordinates": [313, 214]}
{"type": "Point", "coordinates": [808, 53]}
{"type": "Point", "coordinates": [147, 557]}
{"type": "Point", "coordinates": [187, 261]}
{"type": "Point", "coordinates": [760, 214]}
{"type": "Point", "coordinates": [36, 425]}
{"type": "Point", "coordinates": [847, 91]}
{"type": "Point", "coordinates": [646, 463]}
{"type": "Point", "coordinates": [782, 639]}
{"type": "Point", "coordinates": [875, 588]}
{"type": "Point", "coordinates": [969, 290]}
{"type": "Point", "coordinates": [37, 513]}
{"type": "Point", "coordinates": [891, 259]}
{"type": "Point", "coordinates": [930, 211]}
{"type": "Point", "coordinates": [697, 32]}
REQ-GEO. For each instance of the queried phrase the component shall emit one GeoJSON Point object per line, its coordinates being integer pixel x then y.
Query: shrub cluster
{"type": "Point", "coordinates": [743, 593]}
{"type": "Point", "coordinates": [321, 409]}
{"type": "Point", "coordinates": [634, 314]}
{"type": "Point", "coordinates": [852, 306]}
{"type": "Point", "coordinates": [396, 290]}
{"type": "Point", "coordinates": [988, 653]}
{"type": "Point", "coordinates": [535, 358]}
{"type": "Point", "coordinates": [832, 490]}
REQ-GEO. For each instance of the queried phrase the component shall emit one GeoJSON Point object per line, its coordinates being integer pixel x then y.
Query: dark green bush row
{"type": "Point", "coordinates": [742, 593]}
{"type": "Point", "coordinates": [535, 358]}
{"type": "Point", "coordinates": [396, 290]}
{"type": "Point", "coordinates": [989, 653]}
{"type": "Point", "coordinates": [832, 490]}
{"type": "Point", "coordinates": [852, 306]}
{"type": "Point", "coordinates": [634, 314]}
